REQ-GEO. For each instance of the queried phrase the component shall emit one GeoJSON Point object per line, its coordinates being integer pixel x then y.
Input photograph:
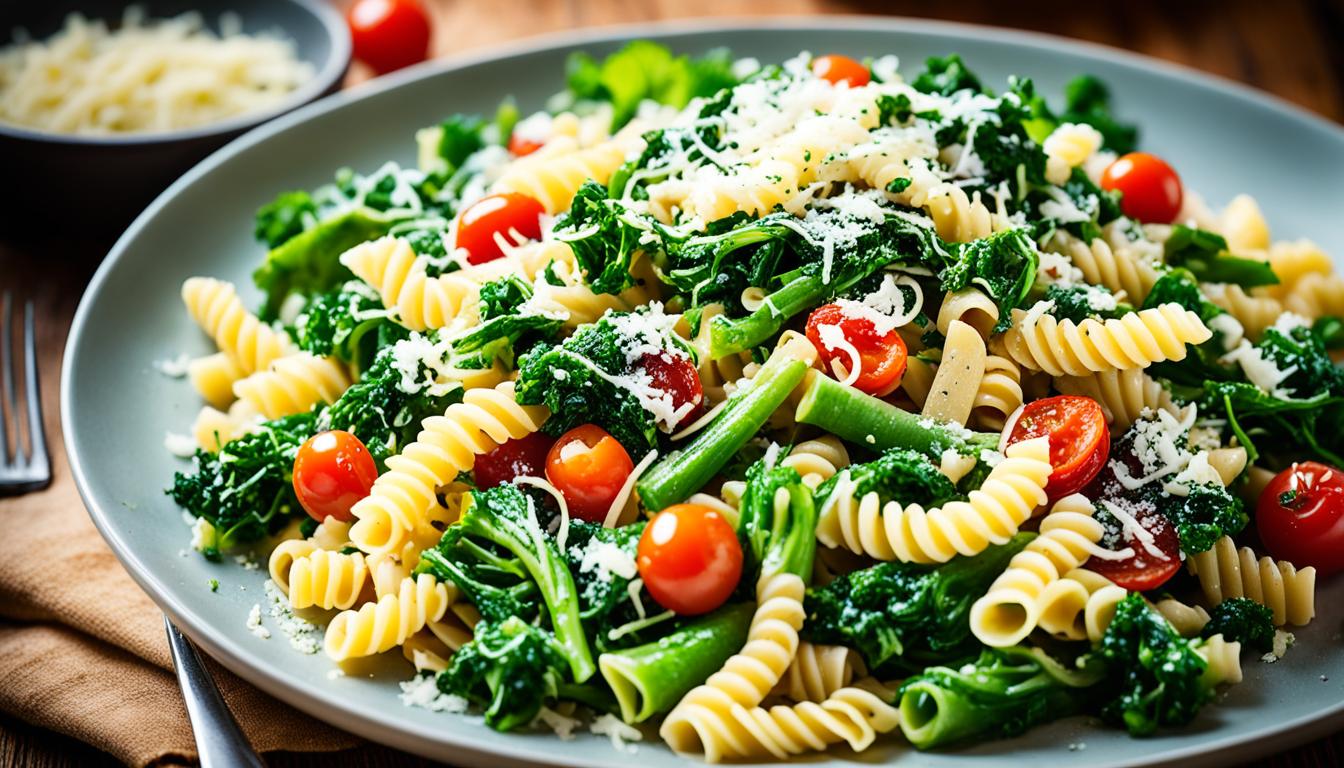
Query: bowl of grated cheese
{"type": "Point", "coordinates": [104, 104]}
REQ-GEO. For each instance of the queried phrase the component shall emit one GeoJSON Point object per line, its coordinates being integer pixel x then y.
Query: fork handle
{"type": "Point", "coordinates": [219, 741]}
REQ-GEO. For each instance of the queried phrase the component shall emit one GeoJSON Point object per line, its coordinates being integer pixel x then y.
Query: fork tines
{"type": "Point", "coordinates": [21, 471]}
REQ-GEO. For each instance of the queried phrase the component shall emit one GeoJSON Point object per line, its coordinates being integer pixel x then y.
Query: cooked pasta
{"type": "Point", "coordinates": [384, 625]}
{"type": "Point", "coordinates": [216, 307]}
{"type": "Point", "coordinates": [1012, 607]}
{"type": "Point", "coordinates": [1228, 571]}
{"type": "Point", "coordinates": [1136, 340]}
{"type": "Point", "coordinates": [841, 354]}
{"type": "Point", "coordinates": [992, 514]}
{"type": "Point", "coordinates": [447, 445]}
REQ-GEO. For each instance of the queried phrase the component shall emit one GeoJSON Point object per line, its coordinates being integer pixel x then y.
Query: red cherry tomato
{"type": "Point", "coordinates": [497, 214]}
{"type": "Point", "coordinates": [589, 467]}
{"type": "Point", "coordinates": [676, 375]}
{"type": "Point", "coordinates": [1300, 516]}
{"type": "Point", "coordinates": [837, 69]}
{"type": "Point", "coordinates": [512, 459]}
{"type": "Point", "coordinates": [389, 34]}
{"type": "Point", "coordinates": [519, 146]}
{"type": "Point", "coordinates": [882, 358]}
{"type": "Point", "coordinates": [1080, 441]}
{"type": "Point", "coordinates": [1145, 569]}
{"type": "Point", "coordinates": [690, 559]}
{"type": "Point", "coordinates": [332, 471]}
{"type": "Point", "coordinates": [1150, 190]}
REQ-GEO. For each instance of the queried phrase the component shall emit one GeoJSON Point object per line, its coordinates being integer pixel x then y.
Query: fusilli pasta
{"type": "Point", "coordinates": [381, 626]}
{"type": "Point", "coordinates": [1226, 571]}
{"type": "Point", "coordinates": [1136, 340]}
{"type": "Point", "coordinates": [216, 307]}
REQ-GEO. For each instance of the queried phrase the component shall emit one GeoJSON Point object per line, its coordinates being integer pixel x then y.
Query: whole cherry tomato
{"type": "Point", "coordinates": [882, 357]}
{"type": "Point", "coordinates": [497, 216]}
{"type": "Point", "coordinates": [389, 34]}
{"type": "Point", "coordinates": [838, 69]}
{"type": "Point", "coordinates": [589, 468]}
{"type": "Point", "coordinates": [332, 471]}
{"type": "Point", "coordinates": [690, 559]}
{"type": "Point", "coordinates": [1300, 516]}
{"type": "Point", "coordinates": [1150, 190]}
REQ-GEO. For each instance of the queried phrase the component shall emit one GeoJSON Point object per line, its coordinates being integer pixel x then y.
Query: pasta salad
{"type": "Point", "coordinates": [769, 408]}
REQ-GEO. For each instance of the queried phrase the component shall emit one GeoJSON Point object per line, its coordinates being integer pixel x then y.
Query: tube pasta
{"type": "Point", "coordinates": [972, 307]}
{"type": "Point", "coordinates": [1011, 608]}
{"type": "Point", "coordinates": [1136, 340]}
{"type": "Point", "coordinates": [216, 307]}
{"type": "Point", "coordinates": [953, 392]}
{"type": "Point", "coordinates": [992, 514]}
{"type": "Point", "coordinates": [447, 445]}
{"type": "Point", "coordinates": [381, 626]}
{"type": "Point", "coordinates": [1226, 571]}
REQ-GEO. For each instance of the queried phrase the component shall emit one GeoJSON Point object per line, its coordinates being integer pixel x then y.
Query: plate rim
{"type": "Point", "coordinates": [383, 727]}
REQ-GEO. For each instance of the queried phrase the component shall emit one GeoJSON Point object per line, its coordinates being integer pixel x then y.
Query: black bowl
{"type": "Point", "coordinates": [95, 185]}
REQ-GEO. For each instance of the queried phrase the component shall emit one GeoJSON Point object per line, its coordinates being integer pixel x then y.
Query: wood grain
{"type": "Point", "coordinates": [1291, 49]}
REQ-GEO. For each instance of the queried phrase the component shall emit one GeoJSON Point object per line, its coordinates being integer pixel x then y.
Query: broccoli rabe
{"type": "Point", "coordinates": [945, 75]}
{"type": "Point", "coordinates": [600, 233]}
{"type": "Point", "coordinates": [1004, 264]}
{"type": "Point", "coordinates": [1242, 620]}
{"type": "Point", "coordinates": [575, 378]}
{"type": "Point", "coordinates": [1081, 301]}
{"type": "Point", "coordinates": [643, 70]}
{"type": "Point", "coordinates": [1088, 100]}
{"type": "Point", "coordinates": [350, 324]}
{"type": "Point", "coordinates": [246, 490]}
{"type": "Point", "coordinates": [504, 296]}
{"type": "Point", "coordinates": [606, 605]}
{"type": "Point", "coordinates": [284, 217]}
{"type": "Point", "coordinates": [777, 538]}
{"type": "Point", "coordinates": [510, 668]}
{"type": "Point", "coordinates": [1205, 254]}
{"type": "Point", "coordinates": [500, 533]}
{"type": "Point", "coordinates": [1004, 692]}
{"type": "Point", "coordinates": [899, 473]}
{"type": "Point", "coordinates": [1154, 677]}
{"type": "Point", "coordinates": [902, 616]}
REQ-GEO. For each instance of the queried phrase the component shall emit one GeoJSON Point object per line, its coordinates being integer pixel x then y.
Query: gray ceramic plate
{"type": "Point", "coordinates": [1224, 138]}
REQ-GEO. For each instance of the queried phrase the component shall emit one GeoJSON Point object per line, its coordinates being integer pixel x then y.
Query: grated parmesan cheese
{"type": "Point", "coordinates": [611, 726]}
{"type": "Point", "coordinates": [421, 691]}
{"type": "Point", "coordinates": [182, 446]}
{"type": "Point", "coordinates": [174, 368]}
{"type": "Point", "coordinates": [254, 623]}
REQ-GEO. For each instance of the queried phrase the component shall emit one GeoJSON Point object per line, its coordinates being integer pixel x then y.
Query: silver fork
{"type": "Point", "coordinates": [20, 473]}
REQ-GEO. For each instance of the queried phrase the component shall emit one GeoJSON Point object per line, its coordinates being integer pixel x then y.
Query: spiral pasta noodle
{"type": "Point", "coordinates": [817, 671]}
{"type": "Point", "coordinates": [853, 715]}
{"type": "Point", "coordinates": [817, 461]}
{"type": "Point", "coordinates": [1223, 658]}
{"type": "Point", "coordinates": [960, 218]}
{"type": "Point", "coordinates": [1254, 313]}
{"type": "Point", "coordinates": [991, 515]}
{"type": "Point", "coordinates": [998, 395]}
{"type": "Point", "coordinates": [1123, 395]}
{"type": "Point", "coordinates": [1187, 620]}
{"type": "Point", "coordinates": [1317, 295]}
{"type": "Point", "coordinates": [216, 307]}
{"type": "Point", "coordinates": [1136, 340]}
{"type": "Point", "coordinates": [446, 446]}
{"type": "Point", "coordinates": [1117, 268]}
{"type": "Point", "coordinates": [283, 558]}
{"type": "Point", "coordinates": [213, 377]}
{"type": "Point", "coordinates": [1079, 605]}
{"type": "Point", "coordinates": [970, 306]}
{"type": "Point", "coordinates": [327, 579]}
{"type": "Point", "coordinates": [1293, 261]}
{"type": "Point", "coordinates": [381, 626]}
{"type": "Point", "coordinates": [1225, 571]}
{"type": "Point", "coordinates": [1010, 610]}
{"type": "Point", "coordinates": [293, 384]}
{"type": "Point", "coordinates": [420, 301]}
{"type": "Point", "coordinates": [1243, 226]}
{"type": "Point", "coordinates": [552, 179]}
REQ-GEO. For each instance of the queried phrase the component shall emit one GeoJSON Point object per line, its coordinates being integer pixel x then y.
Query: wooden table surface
{"type": "Point", "coordinates": [1292, 49]}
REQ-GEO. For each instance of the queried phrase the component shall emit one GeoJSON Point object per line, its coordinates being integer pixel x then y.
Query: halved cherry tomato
{"type": "Point", "coordinates": [1080, 441]}
{"type": "Point", "coordinates": [690, 559]}
{"type": "Point", "coordinates": [589, 467]}
{"type": "Point", "coordinates": [332, 471]}
{"type": "Point", "coordinates": [519, 146]}
{"type": "Point", "coordinates": [389, 34]}
{"type": "Point", "coordinates": [1150, 190]}
{"type": "Point", "coordinates": [500, 214]}
{"type": "Point", "coordinates": [1300, 516]}
{"type": "Point", "coordinates": [676, 375]}
{"type": "Point", "coordinates": [1146, 568]}
{"type": "Point", "coordinates": [837, 69]}
{"type": "Point", "coordinates": [512, 459]}
{"type": "Point", "coordinates": [882, 358]}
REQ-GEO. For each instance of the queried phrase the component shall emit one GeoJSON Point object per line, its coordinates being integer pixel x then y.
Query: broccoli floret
{"type": "Point", "coordinates": [604, 595]}
{"type": "Point", "coordinates": [510, 668]}
{"type": "Point", "coordinates": [945, 76]}
{"type": "Point", "coordinates": [1242, 620]}
{"type": "Point", "coordinates": [900, 473]}
{"type": "Point", "coordinates": [1003, 693]}
{"type": "Point", "coordinates": [1154, 677]}
{"type": "Point", "coordinates": [1003, 263]}
{"type": "Point", "coordinates": [1204, 515]}
{"type": "Point", "coordinates": [246, 490]}
{"type": "Point", "coordinates": [573, 379]}
{"type": "Point", "coordinates": [504, 296]}
{"type": "Point", "coordinates": [500, 535]}
{"type": "Point", "coordinates": [902, 616]}
{"type": "Point", "coordinates": [1081, 301]}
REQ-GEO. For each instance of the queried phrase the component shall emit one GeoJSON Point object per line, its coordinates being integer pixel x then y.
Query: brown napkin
{"type": "Point", "coordinates": [83, 650]}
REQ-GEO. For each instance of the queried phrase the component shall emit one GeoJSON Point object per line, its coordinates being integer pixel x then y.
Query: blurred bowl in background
{"type": "Point", "coordinates": [95, 184]}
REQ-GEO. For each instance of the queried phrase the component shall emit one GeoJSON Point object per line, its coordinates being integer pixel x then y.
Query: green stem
{"type": "Point", "coordinates": [680, 473]}
{"type": "Point", "coordinates": [865, 420]}
{"type": "Point", "coordinates": [651, 678]}
{"type": "Point", "coordinates": [728, 336]}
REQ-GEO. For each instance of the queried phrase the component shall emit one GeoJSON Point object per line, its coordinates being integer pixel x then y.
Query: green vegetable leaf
{"type": "Point", "coordinates": [1205, 254]}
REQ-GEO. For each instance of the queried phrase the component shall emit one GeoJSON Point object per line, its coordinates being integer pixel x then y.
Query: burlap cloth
{"type": "Point", "coordinates": [83, 650]}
